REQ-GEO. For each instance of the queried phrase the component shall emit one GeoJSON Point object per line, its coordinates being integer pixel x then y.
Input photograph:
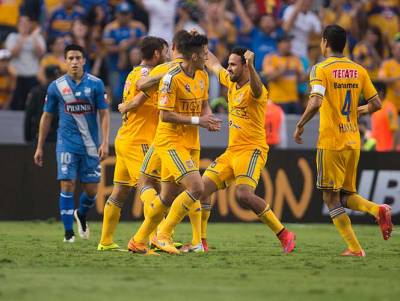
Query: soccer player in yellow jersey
{"type": "Point", "coordinates": [183, 105]}
{"type": "Point", "coordinates": [133, 139]}
{"type": "Point", "coordinates": [336, 86]}
{"type": "Point", "coordinates": [247, 149]}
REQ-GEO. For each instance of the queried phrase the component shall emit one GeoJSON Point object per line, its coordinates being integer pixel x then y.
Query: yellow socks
{"type": "Point", "coordinates": [269, 218]}
{"type": "Point", "coordinates": [358, 203]}
{"type": "Point", "coordinates": [195, 220]}
{"type": "Point", "coordinates": [147, 195]}
{"type": "Point", "coordinates": [179, 209]}
{"type": "Point", "coordinates": [343, 224]}
{"type": "Point", "coordinates": [154, 216]}
{"type": "Point", "coordinates": [112, 213]}
{"type": "Point", "coordinates": [205, 215]}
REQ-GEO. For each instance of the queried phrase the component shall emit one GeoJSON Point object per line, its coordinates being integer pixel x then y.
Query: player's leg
{"type": "Point", "coordinates": [342, 223]}
{"type": "Point", "coordinates": [247, 165]}
{"type": "Point", "coordinates": [111, 216]}
{"type": "Point", "coordinates": [67, 167]}
{"type": "Point", "coordinates": [331, 173]}
{"type": "Point", "coordinates": [66, 204]}
{"type": "Point", "coordinates": [352, 200]}
{"type": "Point", "coordinates": [181, 206]}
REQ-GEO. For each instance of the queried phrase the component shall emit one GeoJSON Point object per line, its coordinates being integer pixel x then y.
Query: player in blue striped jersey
{"type": "Point", "coordinates": [77, 97]}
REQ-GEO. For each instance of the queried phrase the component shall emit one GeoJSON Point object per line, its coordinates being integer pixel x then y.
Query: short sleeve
{"type": "Point", "coordinates": [101, 97]}
{"type": "Point", "coordinates": [223, 77]}
{"type": "Point", "coordinates": [167, 93]}
{"type": "Point", "coordinates": [10, 41]}
{"type": "Point", "coordinates": [51, 100]}
{"type": "Point", "coordinates": [206, 86]}
{"type": "Point", "coordinates": [368, 90]}
{"type": "Point", "coordinates": [318, 81]}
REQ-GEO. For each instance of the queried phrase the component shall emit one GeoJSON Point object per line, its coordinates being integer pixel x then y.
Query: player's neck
{"type": "Point", "coordinates": [188, 68]}
{"type": "Point", "coordinates": [76, 77]}
{"type": "Point", "coordinates": [242, 81]}
{"type": "Point", "coordinates": [176, 55]}
{"type": "Point", "coordinates": [335, 54]}
{"type": "Point", "coordinates": [147, 63]}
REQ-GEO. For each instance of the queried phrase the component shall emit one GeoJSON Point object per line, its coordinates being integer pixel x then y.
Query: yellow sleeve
{"type": "Point", "coordinates": [206, 86]}
{"type": "Point", "coordinates": [368, 90]}
{"type": "Point", "coordinates": [223, 77]}
{"type": "Point", "coordinates": [167, 93]}
{"type": "Point", "coordinates": [318, 81]}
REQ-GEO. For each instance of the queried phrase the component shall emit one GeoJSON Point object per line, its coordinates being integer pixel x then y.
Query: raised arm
{"type": "Point", "coordinates": [288, 21]}
{"type": "Point", "coordinates": [213, 64]}
{"type": "Point", "coordinates": [256, 84]}
{"type": "Point", "coordinates": [244, 17]}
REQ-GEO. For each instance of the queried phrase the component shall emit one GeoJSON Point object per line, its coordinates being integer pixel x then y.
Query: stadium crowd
{"type": "Point", "coordinates": [284, 35]}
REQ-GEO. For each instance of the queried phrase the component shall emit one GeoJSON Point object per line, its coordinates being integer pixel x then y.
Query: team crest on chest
{"type": "Point", "coordinates": [201, 83]}
{"type": "Point", "coordinates": [187, 87]}
{"type": "Point", "coordinates": [238, 98]}
{"type": "Point", "coordinates": [87, 91]}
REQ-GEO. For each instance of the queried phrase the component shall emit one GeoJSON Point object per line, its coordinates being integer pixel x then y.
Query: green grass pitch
{"type": "Point", "coordinates": [245, 263]}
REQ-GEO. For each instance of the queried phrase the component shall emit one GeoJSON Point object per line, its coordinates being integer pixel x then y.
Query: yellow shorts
{"type": "Point", "coordinates": [129, 161]}
{"type": "Point", "coordinates": [337, 170]}
{"type": "Point", "coordinates": [177, 162]}
{"type": "Point", "coordinates": [241, 166]}
{"type": "Point", "coordinates": [151, 166]}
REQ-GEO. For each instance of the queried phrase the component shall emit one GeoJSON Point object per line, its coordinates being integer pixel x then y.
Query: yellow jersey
{"type": "Point", "coordinates": [391, 68]}
{"type": "Point", "coordinates": [9, 12]}
{"type": "Point", "coordinates": [284, 88]}
{"type": "Point", "coordinates": [185, 95]}
{"type": "Point", "coordinates": [340, 82]}
{"type": "Point", "coordinates": [139, 126]}
{"type": "Point", "coordinates": [246, 114]}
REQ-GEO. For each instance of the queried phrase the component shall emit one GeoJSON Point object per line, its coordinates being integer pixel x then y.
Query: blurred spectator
{"type": "Point", "coordinates": [34, 107]}
{"type": "Point", "coordinates": [370, 51]}
{"type": "Point", "coordinates": [389, 74]}
{"type": "Point", "coordinates": [54, 57]}
{"type": "Point", "coordinates": [284, 71]}
{"type": "Point", "coordinates": [8, 79]}
{"type": "Point", "coordinates": [384, 14]}
{"type": "Point", "coordinates": [251, 9]}
{"type": "Point", "coordinates": [26, 46]}
{"type": "Point", "coordinates": [300, 21]}
{"type": "Point", "coordinates": [220, 31]}
{"type": "Point", "coordinates": [189, 16]}
{"type": "Point", "coordinates": [275, 126]}
{"type": "Point", "coordinates": [385, 127]}
{"type": "Point", "coordinates": [61, 19]}
{"type": "Point", "coordinates": [263, 37]}
{"type": "Point", "coordinates": [120, 36]}
{"type": "Point", "coordinates": [368, 143]}
{"type": "Point", "coordinates": [161, 17]}
{"type": "Point", "coordinates": [8, 17]}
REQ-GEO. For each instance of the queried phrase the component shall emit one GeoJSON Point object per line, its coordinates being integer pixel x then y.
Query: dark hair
{"type": "Point", "coordinates": [336, 37]}
{"type": "Point", "coordinates": [191, 43]}
{"type": "Point", "coordinates": [148, 45]}
{"type": "Point", "coordinates": [163, 42]}
{"type": "Point", "coordinates": [240, 51]}
{"type": "Point", "coordinates": [176, 41]}
{"type": "Point", "coordinates": [379, 45]}
{"type": "Point", "coordinates": [73, 47]}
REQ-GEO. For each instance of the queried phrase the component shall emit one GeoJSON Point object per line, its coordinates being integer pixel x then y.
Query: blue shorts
{"type": "Point", "coordinates": [71, 166]}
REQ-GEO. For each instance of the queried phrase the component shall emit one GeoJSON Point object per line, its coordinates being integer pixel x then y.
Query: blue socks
{"type": "Point", "coordinates": [66, 203]}
{"type": "Point", "coordinates": [85, 203]}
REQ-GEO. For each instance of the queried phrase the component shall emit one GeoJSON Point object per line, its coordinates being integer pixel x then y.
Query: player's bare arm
{"type": "Point", "coordinates": [255, 81]}
{"type": "Point", "coordinates": [314, 103]}
{"type": "Point", "coordinates": [148, 82]}
{"type": "Point", "coordinates": [205, 121]}
{"type": "Point", "coordinates": [213, 64]}
{"type": "Point", "coordinates": [372, 106]}
{"type": "Point", "coordinates": [105, 133]}
{"type": "Point", "coordinates": [44, 127]}
{"type": "Point", "coordinates": [133, 104]}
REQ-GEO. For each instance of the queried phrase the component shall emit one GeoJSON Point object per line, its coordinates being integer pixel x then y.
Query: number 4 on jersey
{"type": "Point", "coordinates": [347, 105]}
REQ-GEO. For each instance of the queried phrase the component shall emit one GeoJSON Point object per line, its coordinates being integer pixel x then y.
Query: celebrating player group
{"type": "Point", "coordinates": [157, 147]}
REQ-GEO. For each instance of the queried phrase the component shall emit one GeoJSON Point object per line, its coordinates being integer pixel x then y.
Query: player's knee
{"type": "Point", "coordinates": [243, 195]}
{"type": "Point", "coordinates": [196, 189]}
{"type": "Point", "coordinates": [67, 186]}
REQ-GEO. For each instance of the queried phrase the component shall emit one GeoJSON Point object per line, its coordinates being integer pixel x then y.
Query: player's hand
{"type": "Point", "coordinates": [297, 134]}
{"type": "Point", "coordinates": [122, 108]}
{"type": "Point", "coordinates": [103, 151]}
{"type": "Point", "coordinates": [38, 157]}
{"type": "Point", "coordinates": [210, 122]}
{"type": "Point", "coordinates": [249, 57]}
